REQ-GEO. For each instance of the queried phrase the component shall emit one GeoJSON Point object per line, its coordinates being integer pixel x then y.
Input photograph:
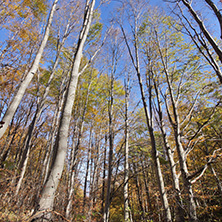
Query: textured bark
{"type": "Point", "coordinates": [176, 125]}
{"type": "Point", "coordinates": [50, 152]}
{"type": "Point", "coordinates": [24, 84]}
{"type": "Point", "coordinates": [48, 193]}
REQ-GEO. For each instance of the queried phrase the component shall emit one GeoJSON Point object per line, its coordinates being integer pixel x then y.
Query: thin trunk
{"type": "Point", "coordinates": [76, 149]}
{"type": "Point", "coordinates": [103, 178]}
{"type": "Point", "coordinates": [94, 178]}
{"type": "Point", "coordinates": [24, 84]}
{"type": "Point", "coordinates": [127, 217]}
{"type": "Point", "coordinates": [8, 142]}
{"type": "Point", "coordinates": [217, 13]}
{"type": "Point", "coordinates": [87, 169]}
{"type": "Point", "coordinates": [146, 181]}
{"type": "Point", "coordinates": [217, 179]}
{"type": "Point", "coordinates": [149, 123]}
{"type": "Point", "coordinates": [50, 152]}
{"type": "Point", "coordinates": [139, 194]}
{"type": "Point", "coordinates": [23, 163]}
{"type": "Point", "coordinates": [204, 30]}
{"type": "Point", "coordinates": [182, 157]}
{"type": "Point", "coordinates": [110, 158]}
{"type": "Point", "coordinates": [175, 178]}
{"type": "Point", "coordinates": [175, 123]}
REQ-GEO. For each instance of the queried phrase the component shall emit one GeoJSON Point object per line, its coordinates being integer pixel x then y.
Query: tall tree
{"type": "Point", "coordinates": [24, 84]}
{"type": "Point", "coordinates": [205, 39]}
{"type": "Point", "coordinates": [127, 212]}
{"type": "Point", "coordinates": [136, 12]}
{"type": "Point", "coordinates": [48, 192]}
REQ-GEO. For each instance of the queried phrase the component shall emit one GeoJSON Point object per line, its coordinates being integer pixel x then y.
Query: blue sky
{"type": "Point", "coordinates": [107, 9]}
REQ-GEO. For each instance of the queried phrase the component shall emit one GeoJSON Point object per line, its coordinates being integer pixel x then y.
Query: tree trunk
{"type": "Point", "coordinates": [205, 31]}
{"type": "Point", "coordinates": [182, 156]}
{"type": "Point", "coordinates": [139, 193]}
{"type": "Point", "coordinates": [127, 216]}
{"type": "Point", "coordinates": [217, 13]}
{"type": "Point", "coordinates": [175, 178]}
{"type": "Point", "coordinates": [24, 84]}
{"type": "Point", "coordinates": [149, 120]}
{"type": "Point", "coordinates": [103, 178]}
{"type": "Point", "coordinates": [48, 193]}
{"type": "Point", "coordinates": [23, 163]}
{"type": "Point", "coordinates": [87, 169]}
{"type": "Point", "coordinates": [76, 150]}
{"type": "Point", "coordinates": [111, 141]}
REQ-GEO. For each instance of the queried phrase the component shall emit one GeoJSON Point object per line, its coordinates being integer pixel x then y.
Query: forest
{"type": "Point", "coordinates": [110, 111]}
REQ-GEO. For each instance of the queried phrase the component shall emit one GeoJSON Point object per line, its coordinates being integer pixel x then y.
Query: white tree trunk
{"type": "Point", "coordinates": [24, 161]}
{"type": "Point", "coordinates": [48, 193]}
{"type": "Point", "coordinates": [127, 217]}
{"type": "Point", "coordinates": [149, 123]}
{"type": "Point", "coordinates": [24, 84]}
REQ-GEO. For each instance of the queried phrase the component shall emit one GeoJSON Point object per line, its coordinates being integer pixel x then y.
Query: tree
{"type": "Point", "coordinates": [48, 192]}
{"type": "Point", "coordinates": [24, 84]}
{"type": "Point", "coordinates": [136, 13]}
{"type": "Point", "coordinates": [205, 38]}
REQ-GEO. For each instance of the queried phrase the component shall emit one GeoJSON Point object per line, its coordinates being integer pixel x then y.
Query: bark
{"type": "Point", "coordinates": [217, 179]}
{"type": "Point", "coordinates": [139, 193]}
{"type": "Point", "coordinates": [204, 30]}
{"type": "Point", "coordinates": [24, 84]}
{"type": "Point", "coordinates": [8, 142]}
{"type": "Point", "coordinates": [103, 178]}
{"type": "Point", "coordinates": [87, 169]}
{"type": "Point", "coordinates": [182, 156]}
{"type": "Point", "coordinates": [94, 177]}
{"type": "Point", "coordinates": [48, 193]}
{"type": "Point", "coordinates": [97, 168]}
{"type": "Point", "coordinates": [50, 152]}
{"type": "Point", "coordinates": [110, 158]}
{"type": "Point", "coordinates": [18, 154]}
{"type": "Point", "coordinates": [149, 120]}
{"type": "Point", "coordinates": [208, 55]}
{"type": "Point", "coordinates": [146, 181]}
{"type": "Point", "coordinates": [127, 216]}
{"type": "Point", "coordinates": [217, 13]}
{"type": "Point", "coordinates": [176, 125]}
{"type": "Point", "coordinates": [76, 150]}
{"type": "Point", "coordinates": [175, 178]}
{"type": "Point", "coordinates": [24, 161]}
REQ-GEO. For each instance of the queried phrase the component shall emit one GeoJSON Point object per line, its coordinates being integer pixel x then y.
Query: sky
{"type": "Point", "coordinates": [107, 9]}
